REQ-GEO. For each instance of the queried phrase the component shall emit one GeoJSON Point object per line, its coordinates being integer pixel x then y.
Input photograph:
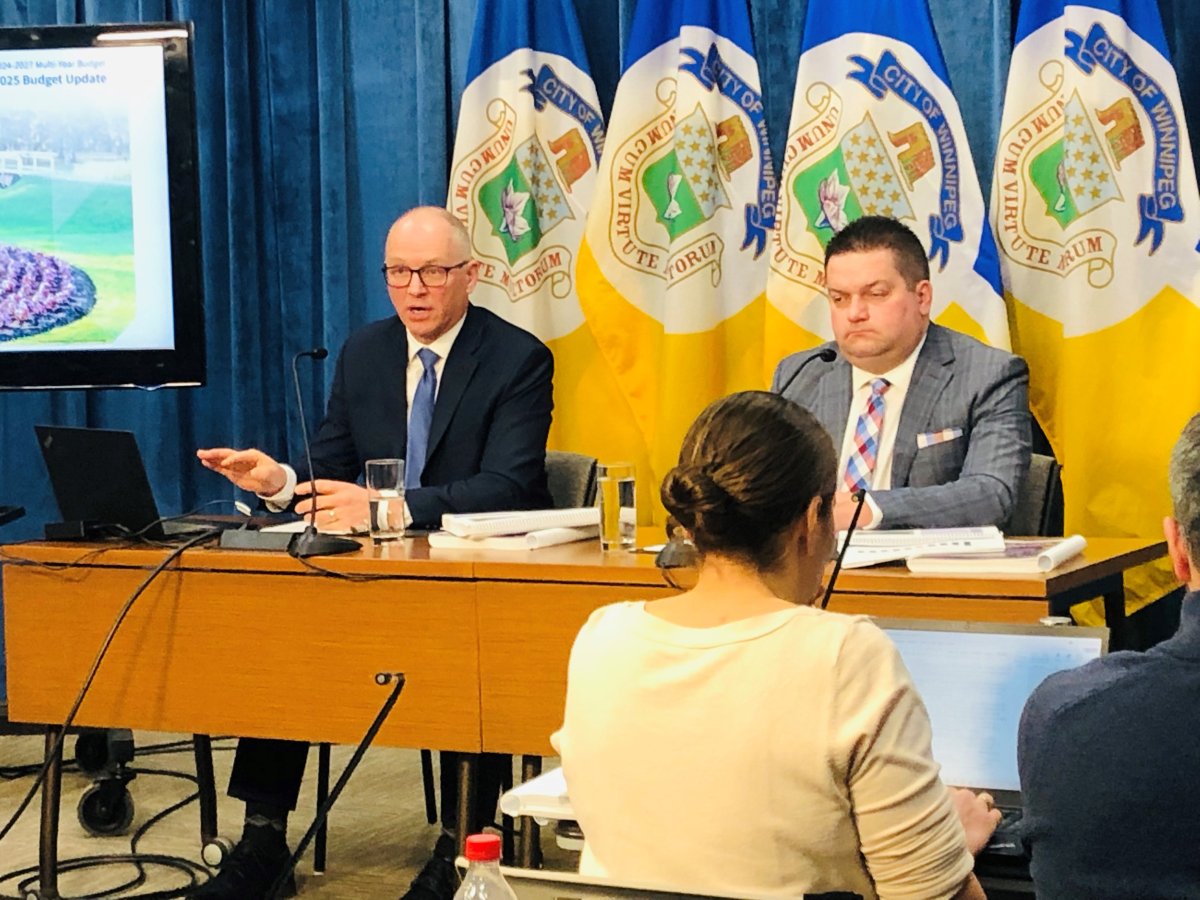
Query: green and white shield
{"type": "Point", "coordinates": [524, 201]}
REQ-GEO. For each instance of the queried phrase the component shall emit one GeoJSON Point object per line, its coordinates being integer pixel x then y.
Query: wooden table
{"type": "Point", "coordinates": [247, 643]}
{"type": "Point", "coordinates": [228, 642]}
{"type": "Point", "coordinates": [257, 644]}
{"type": "Point", "coordinates": [531, 606]}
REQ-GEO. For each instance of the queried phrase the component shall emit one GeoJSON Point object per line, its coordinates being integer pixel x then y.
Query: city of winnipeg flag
{"type": "Point", "coordinates": [673, 268]}
{"type": "Point", "coordinates": [1095, 207]}
{"type": "Point", "coordinates": [875, 130]}
{"type": "Point", "coordinates": [529, 137]}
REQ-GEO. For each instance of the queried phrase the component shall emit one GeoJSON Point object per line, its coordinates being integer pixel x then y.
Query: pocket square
{"type": "Point", "coordinates": [929, 438]}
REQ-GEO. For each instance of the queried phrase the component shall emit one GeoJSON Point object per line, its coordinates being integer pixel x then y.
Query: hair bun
{"type": "Point", "coordinates": [693, 496]}
{"type": "Point", "coordinates": [749, 467]}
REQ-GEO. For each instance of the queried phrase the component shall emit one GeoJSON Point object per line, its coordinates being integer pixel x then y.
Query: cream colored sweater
{"type": "Point", "coordinates": [779, 754]}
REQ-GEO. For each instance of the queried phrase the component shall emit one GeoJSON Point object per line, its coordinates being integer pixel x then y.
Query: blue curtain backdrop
{"type": "Point", "coordinates": [318, 124]}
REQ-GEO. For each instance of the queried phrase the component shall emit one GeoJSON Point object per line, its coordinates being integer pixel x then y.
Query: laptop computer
{"type": "Point", "coordinates": [541, 884]}
{"type": "Point", "coordinates": [975, 678]}
{"type": "Point", "coordinates": [98, 476]}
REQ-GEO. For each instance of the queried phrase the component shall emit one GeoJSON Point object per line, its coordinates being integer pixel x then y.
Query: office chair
{"type": "Point", "coordinates": [1039, 508]}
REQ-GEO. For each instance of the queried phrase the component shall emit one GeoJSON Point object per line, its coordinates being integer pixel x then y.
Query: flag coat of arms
{"type": "Point", "coordinates": [529, 135]}
{"type": "Point", "coordinates": [522, 178]}
{"type": "Point", "coordinates": [1094, 202]}
{"type": "Point", "coordinates": [875, 130]}
{"type": "Point", "coordinates": [673, 268]}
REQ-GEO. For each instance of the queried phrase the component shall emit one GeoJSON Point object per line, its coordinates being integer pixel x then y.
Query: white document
{"type": "Point", "coordinates": [1028, 557]}
{"type": "Point", "coordinates": [518, 521]}
{"type": "Point", "coordinates": [545, 798]}
{"type": "Point", "coordinates": [868, 548]}
{"type": "Point", "coordinates": [533, 540]}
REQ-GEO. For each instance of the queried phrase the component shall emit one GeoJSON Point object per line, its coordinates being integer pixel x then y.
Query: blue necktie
{"type": "Point", "coordinates": [420, 418]}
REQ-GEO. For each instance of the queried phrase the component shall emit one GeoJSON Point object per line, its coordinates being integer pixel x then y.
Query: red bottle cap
{"type": "Point", "coordinates": [483, 848]}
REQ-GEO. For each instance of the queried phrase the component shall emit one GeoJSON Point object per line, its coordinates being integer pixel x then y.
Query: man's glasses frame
{"type": "Point", "coordinates": [431, 276]}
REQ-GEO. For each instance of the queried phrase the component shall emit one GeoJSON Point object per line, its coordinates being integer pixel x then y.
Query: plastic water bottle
{"type": "Point", "coordinates": [483, 880]}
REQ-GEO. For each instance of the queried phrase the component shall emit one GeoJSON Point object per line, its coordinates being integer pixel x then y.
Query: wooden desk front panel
{"type": "Point", "coordinates": [257, 654]}
{"type": "Point", "coordinates": [526, 630]}
{"type": "Point", "coordinates": [923, 606]}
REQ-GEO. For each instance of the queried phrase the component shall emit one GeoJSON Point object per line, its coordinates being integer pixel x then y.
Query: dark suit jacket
{"type": "Point", "coordinates": [960, 385]}
{"type": "Point", "coordinates": [487, 444]}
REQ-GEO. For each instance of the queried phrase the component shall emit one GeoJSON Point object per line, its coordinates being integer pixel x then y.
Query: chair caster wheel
{"type": "Point", "coordinates": [106, 808]}
{"type": "Point", "coordinates": [215, 852]}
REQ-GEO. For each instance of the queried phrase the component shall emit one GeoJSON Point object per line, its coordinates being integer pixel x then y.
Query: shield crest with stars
{"type": "Point", "coordinates": [876, 130]}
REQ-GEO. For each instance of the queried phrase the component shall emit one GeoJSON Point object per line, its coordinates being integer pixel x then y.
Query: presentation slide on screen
{"type": "Point", "coordinates": [85, 241]}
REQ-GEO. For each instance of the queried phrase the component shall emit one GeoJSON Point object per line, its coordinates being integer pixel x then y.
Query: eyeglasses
{"type": "Point", "coordinates": [431, 276]}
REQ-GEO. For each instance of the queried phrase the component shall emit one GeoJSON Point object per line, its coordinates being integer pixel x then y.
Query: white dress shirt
{"type": "Point", "coordinates": [899, 378]}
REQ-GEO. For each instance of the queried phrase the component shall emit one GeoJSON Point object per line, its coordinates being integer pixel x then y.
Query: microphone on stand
{"type": "Point", "coordinates": [311, 542]}
{"type": "Point", "coordinates": [860, 499]}
{"type": "Point", "coordinates": [827, 355]}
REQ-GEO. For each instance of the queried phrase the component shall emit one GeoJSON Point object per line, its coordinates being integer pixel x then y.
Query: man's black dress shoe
{"type": "Point", "coordinates": [249, 872]}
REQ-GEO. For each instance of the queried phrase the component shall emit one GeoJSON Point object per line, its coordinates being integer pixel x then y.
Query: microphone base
{"type": "Point", "coordinates": [311, 542]}
{"type": "Point", "coordinates": [242, 539]}
{"type": "Point", "coordinates": [677, 554]}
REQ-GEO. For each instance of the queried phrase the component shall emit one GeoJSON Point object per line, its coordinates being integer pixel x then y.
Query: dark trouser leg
{"type": "Point", "coordinates": [268, 772]}
{"type": "Point", "coordinates": [490, 768]}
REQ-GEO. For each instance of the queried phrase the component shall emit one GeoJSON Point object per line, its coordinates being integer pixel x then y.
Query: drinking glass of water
{"type": "Point", "coordinates": [385, 493]}
{"type": "Point", "coordinates": [618, 506]}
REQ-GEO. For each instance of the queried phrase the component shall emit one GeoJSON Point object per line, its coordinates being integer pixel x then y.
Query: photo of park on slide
{"type": "Point", "coordinates": [66, 225]}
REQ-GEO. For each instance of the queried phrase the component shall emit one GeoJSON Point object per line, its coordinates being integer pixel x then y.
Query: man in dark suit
{"type": "Point", "coordinates": [462, 396]}
{"type": "Point", "coordinates": [932, 424]}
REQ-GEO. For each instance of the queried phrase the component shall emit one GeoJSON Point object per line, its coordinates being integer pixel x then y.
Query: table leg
{"type": "Point", "coordinates": [467, 763]}
{"type": "Point", "coordinates": [1114, 618]}
{"type": "Point", "coordinates": [51, 796]}
{"type": "Point", "coordinates": [530, 846]}
{"type": "Point", "coordinates": [206, 787]}
{"type": "Point", "coordinates": [320, 844]}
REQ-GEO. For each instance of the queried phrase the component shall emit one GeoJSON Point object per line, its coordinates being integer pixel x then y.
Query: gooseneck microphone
{"type": "Point", "coordinates": [860, 499]}
{"type": "Point", "coordinates": [311, 542]}
{"type": "Point", "coordinates": [827, 355]}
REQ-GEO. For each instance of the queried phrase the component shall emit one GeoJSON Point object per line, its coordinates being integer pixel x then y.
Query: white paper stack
{"type": "Point", "coordinates": [477, 525]}
{"type": "Point", "coordinates": [532, 540]}
{"type": "Point", "coordinates": [868, 548]}
{"type": "Point", "coordinates": [1027, 557]}
{"type": "Point", "coordinates": [545, 798]}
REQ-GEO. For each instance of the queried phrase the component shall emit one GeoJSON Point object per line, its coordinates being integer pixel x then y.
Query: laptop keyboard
{"type": "Point", "coordinates": [1006, 840]}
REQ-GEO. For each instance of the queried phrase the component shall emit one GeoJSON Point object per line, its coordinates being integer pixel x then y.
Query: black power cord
{"type": "Point", "coordinates": [12, 773]}
{"type": "Point", "coordinates": [196, 873]}
{"type": "Point", "coordinates": [381, 678]}
{"type": "Point", "coordinates": [91, 676]}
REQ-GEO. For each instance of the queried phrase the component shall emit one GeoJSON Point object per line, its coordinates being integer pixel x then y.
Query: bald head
{"type": "Point", "coordinates": [426, 222]}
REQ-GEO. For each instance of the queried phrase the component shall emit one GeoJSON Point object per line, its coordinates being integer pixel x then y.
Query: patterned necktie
{"type": "Point", "coordinates": [420, 418]}
{"type": "Point", "coordinates": [866, 439]}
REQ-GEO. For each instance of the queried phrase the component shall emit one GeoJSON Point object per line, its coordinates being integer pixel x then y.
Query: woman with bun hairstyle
{"type": "Point", "coordinates": [735, 739]}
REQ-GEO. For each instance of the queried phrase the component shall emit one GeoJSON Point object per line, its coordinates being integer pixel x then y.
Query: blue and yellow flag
{"type": "Point", "coordinates": [1095, 206]}
{"type": "Point", "coordinates": [673, 268]}
{"type": "Point", "coordinates": [529, 137]}
{"type": "Point", "coordinates": [876, 130]}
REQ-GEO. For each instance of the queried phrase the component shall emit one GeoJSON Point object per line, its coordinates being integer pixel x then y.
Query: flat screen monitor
{"type": "Point", "coordinates": [100, 277]}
